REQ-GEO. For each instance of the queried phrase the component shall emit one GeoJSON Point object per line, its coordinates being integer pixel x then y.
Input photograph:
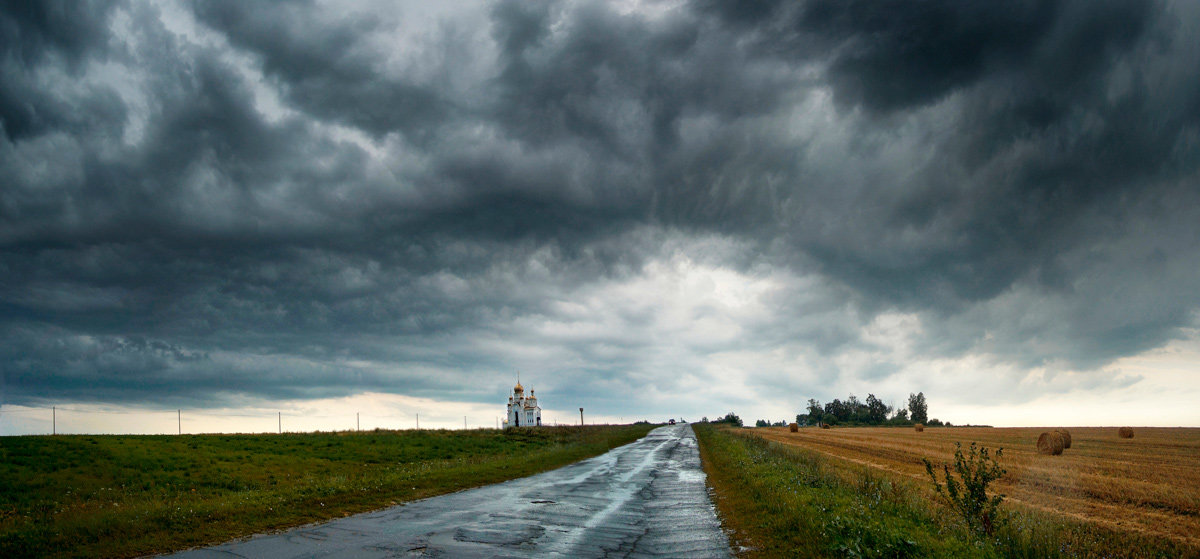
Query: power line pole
{"type": "Point", "coordinates": [418, 421]}
{"type": "Point", "coordinates": [53, 420]}
{"type": "Point", "coordinates": [464, 423]}
{"type": "Point", "coordinates": [357, 423]}
{"type": "Point", "coordinates": [581, 417]}
{"type": "Point", "coordinates": [179, 419]}
{"type": "Point", "coordinates": [280, 422]}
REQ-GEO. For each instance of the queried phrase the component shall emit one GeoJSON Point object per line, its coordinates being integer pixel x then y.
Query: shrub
{"type": "Point", "coordinates": [967, 495]}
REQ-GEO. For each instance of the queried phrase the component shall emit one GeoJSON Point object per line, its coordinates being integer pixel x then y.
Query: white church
{"type": "Point", "coordinates": [523, 411]}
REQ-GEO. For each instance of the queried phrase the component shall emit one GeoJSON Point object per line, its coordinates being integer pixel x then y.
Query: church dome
{"type": "Point", "coordinates": [518, 388]}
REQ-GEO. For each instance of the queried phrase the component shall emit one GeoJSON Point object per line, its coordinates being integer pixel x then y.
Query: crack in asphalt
{"type": "Point", "coordinates": [645, 499]}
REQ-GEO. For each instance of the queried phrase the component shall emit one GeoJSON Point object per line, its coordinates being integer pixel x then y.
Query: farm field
{"type": "Point", "coordinates": [1148, 485]}
{"type": "Point", "coordinates": [126, 496]}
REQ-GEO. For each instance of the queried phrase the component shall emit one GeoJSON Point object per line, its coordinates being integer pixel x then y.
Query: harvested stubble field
{"type": "Point", "coordinates": [1149, 484]}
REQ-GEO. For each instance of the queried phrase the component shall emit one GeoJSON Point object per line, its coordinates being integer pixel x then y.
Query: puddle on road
{"type": "Point", "coordinates": [511, 534]}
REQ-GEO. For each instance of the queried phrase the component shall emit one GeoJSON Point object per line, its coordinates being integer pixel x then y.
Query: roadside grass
{"type": "Point", "coordinates": [784, 501]}
{"type": "Point", "coordinates": [125, 496]}
{"type": "Point", "coordinates": [1149, 485]}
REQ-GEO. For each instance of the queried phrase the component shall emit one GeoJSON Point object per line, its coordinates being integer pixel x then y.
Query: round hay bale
{"type": "Point", "coordinates": [1050, 443]}
{"type": "Point", "coordinates": [793, 427]}
{"type": "Point", "coordinates": [1066, 436]}
{"type": "Point", "coordinates": [1125, 432]}
{"type": "Point", "coordinates": [920, 427]}
{"type": "Point", "coordinates": [824, 425]}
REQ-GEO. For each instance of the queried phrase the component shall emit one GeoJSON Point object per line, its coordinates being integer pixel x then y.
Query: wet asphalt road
{"type": "Point", "coordinates": [645, 499]}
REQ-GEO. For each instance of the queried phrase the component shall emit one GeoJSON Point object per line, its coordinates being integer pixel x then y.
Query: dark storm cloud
{"type": "Point", "coordinates": [1019, 175]}
{"type": "Point", "coordinates": [36, 33]}
{"type": "Point", "coordinates": [324, 66]}
{"type": "Point", "coordinates": [888, 56]}
{"type": "Point", "coordinates": [1057, 139]}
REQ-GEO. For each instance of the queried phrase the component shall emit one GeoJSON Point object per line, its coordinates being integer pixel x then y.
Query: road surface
{"type": "Point", "coordinates": [645, 499]}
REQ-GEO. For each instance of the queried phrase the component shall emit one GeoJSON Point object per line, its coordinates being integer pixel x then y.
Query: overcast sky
{"type": "Point", "coordinates": [649, 208]}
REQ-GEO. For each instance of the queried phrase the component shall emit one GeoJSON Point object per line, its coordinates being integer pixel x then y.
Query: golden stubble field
{"type": "Point", "coordinates": [1148, 484]}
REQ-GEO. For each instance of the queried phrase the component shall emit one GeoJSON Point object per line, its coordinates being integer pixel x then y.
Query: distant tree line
{"type": "Point", "coordinates": [730, 418]}
{"type": "Point", "coordinates": [871, 411]}
{"type": "Point", "coordinates": [765, 423]}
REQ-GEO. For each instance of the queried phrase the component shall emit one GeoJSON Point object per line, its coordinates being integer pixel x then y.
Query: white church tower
{"type": "Point", "coordinates": [523, 411]}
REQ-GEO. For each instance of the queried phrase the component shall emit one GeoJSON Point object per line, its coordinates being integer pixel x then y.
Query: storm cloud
{"type": "Point", "coordinates": [708, 204]}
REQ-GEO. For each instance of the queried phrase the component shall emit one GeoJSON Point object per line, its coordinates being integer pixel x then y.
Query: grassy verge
{"type": "Point", "coordinates": [122, 496]}
{"type": "Point", "coordinates": [783, 501]}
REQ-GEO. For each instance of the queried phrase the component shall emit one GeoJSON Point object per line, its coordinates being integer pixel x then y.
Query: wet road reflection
{"type": "Point", "coordinates": [645, 499]}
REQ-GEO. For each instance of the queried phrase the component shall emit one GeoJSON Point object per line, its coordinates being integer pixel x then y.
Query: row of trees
{"type": "Point", "coordinates": [871, 411]}
{"type": "Point", "coordinates": [730, 418]}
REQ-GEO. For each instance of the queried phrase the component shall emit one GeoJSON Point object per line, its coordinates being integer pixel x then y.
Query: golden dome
{"type": "Point", "coordinates": [518, 387]}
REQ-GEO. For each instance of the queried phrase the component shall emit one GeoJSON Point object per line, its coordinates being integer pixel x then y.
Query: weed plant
{"type": "Point", "coordinates": [965, 491]}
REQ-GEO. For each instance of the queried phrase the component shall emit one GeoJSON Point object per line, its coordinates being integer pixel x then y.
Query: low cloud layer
{"type": "Point", "coordinates": [648, 205]}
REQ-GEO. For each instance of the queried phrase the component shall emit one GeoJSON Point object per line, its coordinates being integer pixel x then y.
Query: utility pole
{"type": "Point", "coordinates": [464, 423]}
{"type": "Point", "coordinates": [357, 423]}
{"type": "Point", "coordinates": [179, 420]}
{"type": "Point", "coordinates": [53, 420]}
{"type": "Point", "coordinates": [581, 417]}
{"type": "Point", "coordinates": [280, 422]}
{"type": "Point", "coordinates": [418, 421]}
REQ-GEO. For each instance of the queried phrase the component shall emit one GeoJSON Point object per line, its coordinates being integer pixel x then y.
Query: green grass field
{"type": "Point", "coordinates": [784, 501]}
{"type": "Point", "coordinates": [122, 496]}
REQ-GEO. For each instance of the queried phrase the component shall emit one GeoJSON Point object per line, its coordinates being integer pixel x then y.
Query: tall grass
{"type": "Point", "coordinates": [120, 496]}
{"type": "Point", "coordinates": [783, 501]}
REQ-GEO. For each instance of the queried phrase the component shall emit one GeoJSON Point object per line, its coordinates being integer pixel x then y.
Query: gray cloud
{"type": "Point", "coordinates": [292, 200]}
{"type": "Point", "coordinates": [325, 66]}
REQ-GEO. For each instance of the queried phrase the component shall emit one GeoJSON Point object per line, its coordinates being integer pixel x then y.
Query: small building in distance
{"type": "Point", "coordinates": [523, 411]}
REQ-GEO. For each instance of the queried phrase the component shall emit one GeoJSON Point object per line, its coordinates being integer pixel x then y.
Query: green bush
{"type": "Point", "coordinates": [967, 495]}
